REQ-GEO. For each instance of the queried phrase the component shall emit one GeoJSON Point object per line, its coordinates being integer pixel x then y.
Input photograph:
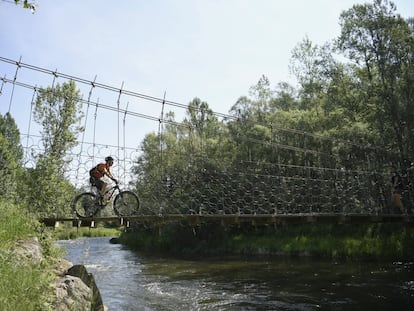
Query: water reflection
{"type": "Point", "coordinates": [130, 281]}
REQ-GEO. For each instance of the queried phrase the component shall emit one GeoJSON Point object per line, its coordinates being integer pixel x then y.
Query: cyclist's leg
{"type": "Point", "coordinates": [103, 187]}
{"type": "Point", "coordinates": [99, 184]}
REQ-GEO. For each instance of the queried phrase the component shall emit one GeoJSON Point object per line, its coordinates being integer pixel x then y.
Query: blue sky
{"type": "Point", "coordinates": [211, 49]}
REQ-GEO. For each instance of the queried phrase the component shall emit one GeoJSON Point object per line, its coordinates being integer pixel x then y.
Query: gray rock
{"type": "Point", "coordinates": [28, 250]}
{"type": "Point", "coordinates": [87, 278]}
{"type": "Point", "coordinates": [73, 294]}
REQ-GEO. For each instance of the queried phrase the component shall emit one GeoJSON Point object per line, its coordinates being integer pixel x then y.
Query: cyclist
{"type": "Point", "coordinates": [98, 172]}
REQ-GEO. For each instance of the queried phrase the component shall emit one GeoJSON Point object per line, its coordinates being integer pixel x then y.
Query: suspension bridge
{"type": "Point", "coordinates": [280, 176]}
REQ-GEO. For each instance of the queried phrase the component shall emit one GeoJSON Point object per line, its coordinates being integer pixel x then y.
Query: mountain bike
{"type": "Point", "coordinates": [88, 204]}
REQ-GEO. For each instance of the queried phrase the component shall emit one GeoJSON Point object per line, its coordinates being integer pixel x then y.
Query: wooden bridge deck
{"type": "Point", "coordinates": [233, 219]}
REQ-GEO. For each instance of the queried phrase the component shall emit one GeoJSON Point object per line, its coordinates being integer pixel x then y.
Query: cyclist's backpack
{"type": "Point", "coordinates": [96, 172]}
{"type": "Point", "coordinates": [92, 171]}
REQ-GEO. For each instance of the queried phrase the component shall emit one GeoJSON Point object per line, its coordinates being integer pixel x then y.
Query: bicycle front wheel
{"type": "Point", "coordinates": [126, 203]}
{"type": "Point", "coordinates": [84, 204]}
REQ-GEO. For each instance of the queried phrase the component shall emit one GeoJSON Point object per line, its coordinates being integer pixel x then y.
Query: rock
{"type": "Point", "coordinates": [28, 250]}
{"type": "Point", "coordinates": [114, 241]}
{"type": "Point", "coordinates": [87, 278]}
{"type": "Point", "coordinates": [76, 289]}
{"type": "Point", "coordinates": [73, 294]}
{"type": "Point", "coordinates": [62, 267]}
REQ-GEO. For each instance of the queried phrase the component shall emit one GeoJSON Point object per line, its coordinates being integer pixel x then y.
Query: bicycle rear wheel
{"type": "Point", "coordinates": [84, 204]}
{"type": "Point", "coordinates": [126, 203]}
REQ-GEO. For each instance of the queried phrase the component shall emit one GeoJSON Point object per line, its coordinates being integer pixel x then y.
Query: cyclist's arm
{"type": "Point", "coordinates": [108, 173]}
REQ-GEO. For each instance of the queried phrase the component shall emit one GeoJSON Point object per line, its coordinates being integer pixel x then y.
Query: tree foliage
{"type": "Point", "coordinates": [11, 157]}
{"type": "Point", "coordinates": [324, 142]}
{"type": "Point", "coordinates": [57, 110]}
{"type": "Point", "coordinates": [380, 43]}
{"type": "Point", "coordinates": [31, 5]}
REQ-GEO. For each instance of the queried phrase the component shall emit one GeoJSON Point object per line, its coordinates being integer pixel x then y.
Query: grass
{"type": "Point", "coordinates": [13, 225]}
{"type": "Point", "coordinates": [67, 232]}
{"type": "Point", "coordinates": [23, 285]}
{"type": "Point", "coordinates": [359, 242]}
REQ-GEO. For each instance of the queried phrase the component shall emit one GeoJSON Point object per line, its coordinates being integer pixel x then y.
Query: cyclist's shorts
{"type": "Point", "coordinates": [96, 182]}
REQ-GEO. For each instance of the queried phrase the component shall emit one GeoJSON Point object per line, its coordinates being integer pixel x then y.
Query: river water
{"type": "Point", "coordinates": [129, 280]}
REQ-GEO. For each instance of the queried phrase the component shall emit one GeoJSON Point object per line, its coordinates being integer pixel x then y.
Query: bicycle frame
{"type": "Point", "coordinates": [111, 191]}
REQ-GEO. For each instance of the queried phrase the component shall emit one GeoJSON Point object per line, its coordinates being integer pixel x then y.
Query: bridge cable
{"type": "Point", "coordinates": [124, 141]}
{"type": "Point", "coordinates": [118, 126]}
{"type": "Point", "coordinates": [175, 104]}
{"type": "Point", "coordinates": [228, 117]}
{"type": "Point", "coordinates": [32, 103]}
{"type": "Point", "coordinates": [160, 133]}
{"type": "Point", "coordinates": [14, 80]}
{"type": "Point", "coordinates": [88, 103]}
{"type": "Point", "coordinates": [94, 133]}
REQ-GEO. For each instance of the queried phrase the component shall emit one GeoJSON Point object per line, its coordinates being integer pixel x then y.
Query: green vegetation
{"type": "Point", "coordinates": [321, 145]}
{"type": "Point", "coordinates": [339, 242]}
{"type": "Point", "coordinates": [24, 285]}
{"type": "Point", "coordinates": [67, 232]}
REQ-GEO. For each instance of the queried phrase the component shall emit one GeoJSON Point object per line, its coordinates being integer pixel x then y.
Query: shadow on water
{"type": "Point", "coordinates": [131, 281]}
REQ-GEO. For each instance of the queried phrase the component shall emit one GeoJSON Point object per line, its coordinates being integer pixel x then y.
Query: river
{"type": "Point", "coordinates": [129, 280]}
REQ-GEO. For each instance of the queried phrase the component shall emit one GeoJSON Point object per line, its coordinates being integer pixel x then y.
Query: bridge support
{"type": "Point", "coordinates": [83, 223]}
{"type": "Point", "coordinates": [124, 222]}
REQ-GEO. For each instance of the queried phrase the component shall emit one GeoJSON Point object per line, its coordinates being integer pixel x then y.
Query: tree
{"type": "Point", "coordinates": [58, 111]}
{"type": "Point", "coordinates": [284, 98]}
{"type": "Point", "coordinates": [311, 64]}
{"type": "Point", "coordinates": [11, 156]}
{"type": "Point", "coordinates": [381, 45]}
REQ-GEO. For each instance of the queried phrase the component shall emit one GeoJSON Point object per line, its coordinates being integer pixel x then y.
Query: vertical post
{"type": "Point", "coordinates": [55, 75]}
{"type": "Point", "coordinates": [94, 130]}
{"type": "Point", "coordinates": [124, 143]}
{"type": "Point", "coordinates": [85, 124]}
{"type": "Point", "coordinates": [30, 121]}
{"type": "Point", "coordinates": [160, 129]}
{"type": "Point", "coordinates": [14, 82]}
{"type": "Point", "coordinates": [3, 81]}
{"type": "Point", "coordinates": [118, 111]}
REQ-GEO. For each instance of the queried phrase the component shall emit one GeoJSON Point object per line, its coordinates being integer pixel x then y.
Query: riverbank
{"type": "Point", "coordinates": [24, 271]}
{"type": "Point", "coordinates": [33, 273]}
{"type": "Point", "coordinates": [358, 242]}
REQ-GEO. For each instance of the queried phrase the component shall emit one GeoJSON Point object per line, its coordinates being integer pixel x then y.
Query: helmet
{"type": "Point", "coordinates": [107, 159]}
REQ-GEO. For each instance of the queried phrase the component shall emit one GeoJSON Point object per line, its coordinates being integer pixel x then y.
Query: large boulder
{"type": "Point", "coordinates": [87, 278]}
{"type": "Point", "coordinates": [73, 294]}
{"type": "Point", "coordinates": [76, 290]}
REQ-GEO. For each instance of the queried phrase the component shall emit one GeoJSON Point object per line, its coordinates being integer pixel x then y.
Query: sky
{"type": "Point", "coordinates": [211, 49]}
